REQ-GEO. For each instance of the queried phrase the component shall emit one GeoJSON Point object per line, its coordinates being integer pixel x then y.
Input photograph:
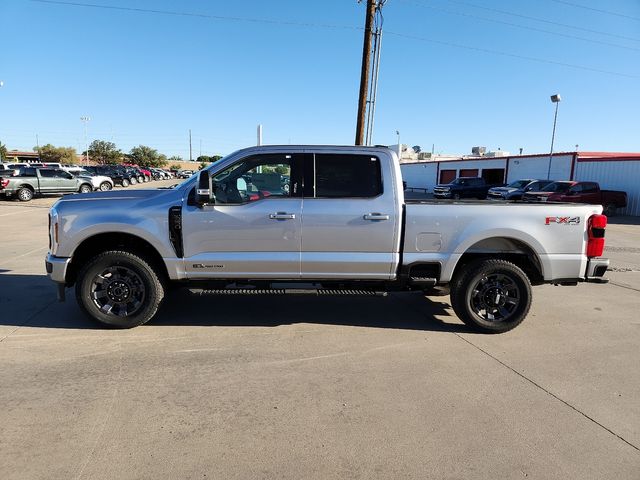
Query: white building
{"type": "Point", "coordinates": [613, 171]}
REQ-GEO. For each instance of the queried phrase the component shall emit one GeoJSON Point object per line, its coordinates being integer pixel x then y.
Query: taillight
{"type": "Point", "coordinates": [595, 244]}
{"type": "Point", "coordinates": [4, 182]}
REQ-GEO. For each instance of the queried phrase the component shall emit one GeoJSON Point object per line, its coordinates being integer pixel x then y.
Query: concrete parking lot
{"type": "Point", "coordinates": [315, 387]}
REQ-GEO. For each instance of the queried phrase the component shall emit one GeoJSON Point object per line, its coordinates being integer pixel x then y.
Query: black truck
{"type": "Point", "coordinates": [463, 187]}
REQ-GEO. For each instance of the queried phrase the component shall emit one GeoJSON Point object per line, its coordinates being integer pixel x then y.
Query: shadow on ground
{"type": "Point", "coordinates": [30, 300]}
{"type": "Point", "coordinates": [624, 220]}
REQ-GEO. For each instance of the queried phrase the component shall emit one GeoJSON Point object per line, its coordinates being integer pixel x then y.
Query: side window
{"type": "Point", "coordinates": [589, 187]}
{"type": "Point", "coordinates": [47, 173]}
{"type": "Point", "coordinates": [347, 176]}
{"type": "Point", "coordinates": [253, 179]}
{"type": "Point", "coordinates": [576, 188]}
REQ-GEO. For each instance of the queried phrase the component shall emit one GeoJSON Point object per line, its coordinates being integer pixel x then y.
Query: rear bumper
{"type": "Point", "coordinates": [596, 268]}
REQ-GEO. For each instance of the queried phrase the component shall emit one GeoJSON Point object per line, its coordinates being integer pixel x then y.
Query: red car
{"type": "Point", "coordinates": [580, 192]}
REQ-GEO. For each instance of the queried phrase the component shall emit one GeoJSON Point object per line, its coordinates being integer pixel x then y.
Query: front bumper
{"type": "Point", "coordinates": [57, 268]}
{"type": "Point", "coordinates": [596, 268]}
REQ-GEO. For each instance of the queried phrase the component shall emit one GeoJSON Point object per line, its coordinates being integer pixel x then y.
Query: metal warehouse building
{"type": "Point", "coordinates": [613, 171]}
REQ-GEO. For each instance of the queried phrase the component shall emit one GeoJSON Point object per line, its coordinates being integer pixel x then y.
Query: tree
{"type": "Point", "coordinates": [175, 158]}
{"type": "Point", "coordinates": [103, 152]}
{"type": "Point", "coordinates": [51, 154]}
{"type": "Point", "coordinates": [417, 149]}
{"type": "Point", "coordinates": [174, 166]}
{"type": "Point", "coordinates": [203, 165]}
{"type": "Point", "coordinates": [3, 152]}
{"type": "Point", "coordinates": [146, 157]}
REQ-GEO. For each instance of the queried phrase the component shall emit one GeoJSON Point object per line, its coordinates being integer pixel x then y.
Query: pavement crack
{"type": "Point", "coordinates": [548, 392]}
{"type": "Point", "coordinates": [624, 286]}
{"type": "Point", "coordinates": [98, 431]}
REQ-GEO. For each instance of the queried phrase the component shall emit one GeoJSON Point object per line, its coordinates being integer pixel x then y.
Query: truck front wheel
{"type": "Point", "coordinates": [491, 295]}
{"type": "Point", "coordinates": [119, 289]}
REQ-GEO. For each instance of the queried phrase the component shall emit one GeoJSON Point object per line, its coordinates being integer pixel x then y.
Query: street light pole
{"type": "Point", "coordinates": [399, 147]}
{"type": "Point", "coordinates": [555, 99]}
{"type": "Point", "coordinates": [85, 120]}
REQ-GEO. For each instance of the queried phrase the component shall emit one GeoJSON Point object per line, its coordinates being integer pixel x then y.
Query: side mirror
{"type": "Point", "coordinates": [203, 190]}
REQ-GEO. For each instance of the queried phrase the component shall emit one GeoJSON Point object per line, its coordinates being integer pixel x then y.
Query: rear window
{"type": "Point", "coordinates": [347, 176]}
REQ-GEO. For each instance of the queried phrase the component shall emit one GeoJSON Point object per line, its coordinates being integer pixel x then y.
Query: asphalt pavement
{"type": "Point", "coordinates": [316, 387]}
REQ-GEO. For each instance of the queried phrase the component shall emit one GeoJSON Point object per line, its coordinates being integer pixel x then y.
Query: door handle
{"type": "Point", "coordinates": [282, 216]}
{"type": "Point", "coordinates": [376, 216]}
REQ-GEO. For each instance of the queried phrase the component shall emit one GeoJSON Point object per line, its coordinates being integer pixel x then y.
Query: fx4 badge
{"type": "Point", "coordinates": [562, 220]}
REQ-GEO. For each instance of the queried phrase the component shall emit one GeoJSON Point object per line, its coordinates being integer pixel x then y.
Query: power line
{"type": "Point", "coordinates": [525, 27]}
{"type": "Point", "coordinates": [608, 12]}
{"type": "Point", "coordinates": [198, 15]}
{"type": "Point", "coordinates": [513, 55]}
{"type": "Point", "coordinates": [543, 20]}
{"type": "Point", "coordinates": [292, 23]}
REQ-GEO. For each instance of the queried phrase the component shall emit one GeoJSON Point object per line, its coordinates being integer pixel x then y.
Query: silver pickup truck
{"type": "Point", "coordinates": [40, 181]}
{"type": "Point", "coordinates": [318, 218]}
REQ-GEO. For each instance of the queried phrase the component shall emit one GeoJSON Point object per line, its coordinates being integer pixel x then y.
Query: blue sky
{"type": "Point", "coordinates": [147, 78]}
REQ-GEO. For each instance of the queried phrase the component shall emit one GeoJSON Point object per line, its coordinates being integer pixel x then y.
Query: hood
{"type": "Point", "coordinates": [539, 194]}
{"type": "Point", "coordinates": [504, 189]}
{"type": "Point", "coordinates": [119, 196]}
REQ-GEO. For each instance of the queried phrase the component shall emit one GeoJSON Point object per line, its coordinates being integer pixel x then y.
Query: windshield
{"type": "Point", "coordinates": [519, 184]}
{"type": "Point", "coordinates": [557, 187]}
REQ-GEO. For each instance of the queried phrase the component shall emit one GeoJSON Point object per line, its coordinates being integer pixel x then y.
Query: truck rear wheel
{"type": "Point", "coordinates": [25, 194]}
{"type": "Point", "coordinates": [610, 210]}
{"type": "Point", "coordinates": [119, 289]}
{"type": "Point", "coordinates": [491, 295]}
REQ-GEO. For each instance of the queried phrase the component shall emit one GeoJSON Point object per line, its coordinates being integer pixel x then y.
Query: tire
{"type": "Point", "coordinates": [491, 295]}
{"type": "Point", "coordinates": [125, 182]}
{"type": "Point", "coordinates": [145, 179]}
{"type": "Point", "coordinates": [134, 180]}
{"type": "Point", "coordinates": [140, 179]}
{"type": "Point", "coordinates": [24, 194]}
{"type": "Point", "coordinates": [85, 188]}
{"type": "Point", "coordinates": [105, 186]}
{"type": "Point", "coordinates": [456, 196]}
{"type": "Point", "coordinates": [610, 210]}
{"type": "Point", "coordinates": [119, 289]}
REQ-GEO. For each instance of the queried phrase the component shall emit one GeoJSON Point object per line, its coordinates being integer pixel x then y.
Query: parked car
{"type": "Point", "coordinates": [119, 175]}
{"type": "Point", "coordinates": [515, 190]}
{"type": "Point", "coordinates": [580, 192]}
{"type": "Point", "coordinates": [99, 182]}
{"type": "Point", "coordinates": [37, 181]}
{"type": "Point", "coordinates": [463, 187]}
{"type": "Point", "coordinates": [185, 173]}
{"type": "Point", "coordinates": [356, 232]}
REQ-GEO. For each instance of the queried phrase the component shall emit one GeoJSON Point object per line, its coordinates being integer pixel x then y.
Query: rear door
{"type": "Point", "coordinates": [350, 225]}
{"type": "Point", "coordinates": [48, 180]}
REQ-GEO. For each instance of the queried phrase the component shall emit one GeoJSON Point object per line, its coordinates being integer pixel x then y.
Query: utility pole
{"type": "Point", "coordinates": [259, 134]}
{"type": "Point", "coordinates": [190, 150]}
{"type": "Point", "coordinates": [38, 147]}
{"type": "Point", "coordinates": [85, 120]}
{"type": "Point", "coordinates": [364, 74]}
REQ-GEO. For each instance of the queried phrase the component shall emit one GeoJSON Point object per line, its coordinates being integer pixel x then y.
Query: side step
{"type": "Point", "coordinates": [423, 281]}
{"type": "Point", "coordinates": [287, 291]}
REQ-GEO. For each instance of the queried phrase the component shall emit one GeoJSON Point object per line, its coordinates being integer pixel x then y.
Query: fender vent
{"type": "Point", "coordinates": [175, 230]}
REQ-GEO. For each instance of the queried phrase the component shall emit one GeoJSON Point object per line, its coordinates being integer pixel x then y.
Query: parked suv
{"type": "Point", "coordinates": [515, 190]}
{"type": "Point", "coordinates": [463, 187]}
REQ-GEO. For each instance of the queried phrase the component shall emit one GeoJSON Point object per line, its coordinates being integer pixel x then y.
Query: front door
{"type": "Point", "coordinates": [350, 227]}
{"type": "Point", "coordinates": [252, 229]}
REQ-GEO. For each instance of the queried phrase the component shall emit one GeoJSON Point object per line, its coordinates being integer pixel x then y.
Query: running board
{"type": "Point", "coordinates": [287, 291]}
{"type": "Point", "coordinates": [423, 281]}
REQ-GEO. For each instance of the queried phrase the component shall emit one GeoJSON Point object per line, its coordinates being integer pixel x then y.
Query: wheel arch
{"type": "Point", "coordinates": [102, 242]}
{"type": "Point", "coordinates": [510, 249]}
